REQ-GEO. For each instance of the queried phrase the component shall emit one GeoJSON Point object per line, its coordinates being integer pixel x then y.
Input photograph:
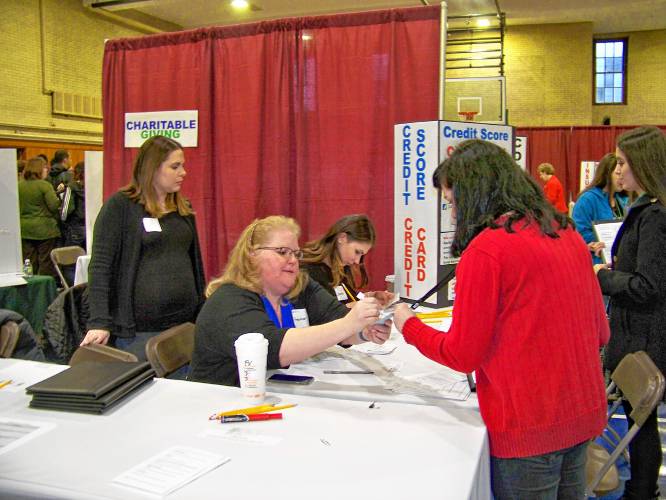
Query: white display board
{"type": "Point", "coordinates": [520, 152]}
{"type": "Point", "coordinates": [10, 225]}
{"type": "Point", "coordinates": [416, 203]}
{"type": "Point", "coordinates": [587, 169]}
{"type": "Point", "coordinates": [94, 192]}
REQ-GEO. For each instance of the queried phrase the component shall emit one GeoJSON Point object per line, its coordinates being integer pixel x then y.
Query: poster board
{"type": "Point", "coordinates": [11, 259]}
{"type": "Point", "coordinates": [94, 192]}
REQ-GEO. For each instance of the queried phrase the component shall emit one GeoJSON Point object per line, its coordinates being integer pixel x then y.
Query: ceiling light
{"type": "Point", "coordinates": [240, 4]}
{"type": "Point", "coordinates": [306, 36]}
{"type": "Point", "coordinates": [483, 23]}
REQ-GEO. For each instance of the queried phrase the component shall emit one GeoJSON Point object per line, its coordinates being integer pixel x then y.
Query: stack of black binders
{"type": "Point", "coordinates": [90, 386]}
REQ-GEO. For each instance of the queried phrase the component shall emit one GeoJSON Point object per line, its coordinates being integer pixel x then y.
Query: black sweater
{"type": "Point", "coordinates": [114, 263]}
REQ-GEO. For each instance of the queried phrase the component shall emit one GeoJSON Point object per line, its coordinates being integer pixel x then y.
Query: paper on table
{"type": "Point", "coordinates": [376, 349]}
{"type": "Point", "coordinates": [443, 384]}
{"type": "Point", "coordinates": [172, 469]}
{"type": "Point", "coordinates": [11, 279]}
{"type": "Point", "coordinates": [24, 375]}
{"type": "Point", "coordinates": [14, 433]}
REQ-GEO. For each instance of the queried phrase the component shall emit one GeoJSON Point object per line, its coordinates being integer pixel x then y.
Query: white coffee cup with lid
{"type": "Point", "coordinates": [251, 354]}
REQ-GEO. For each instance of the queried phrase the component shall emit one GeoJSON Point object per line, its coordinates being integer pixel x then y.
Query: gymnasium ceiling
{"type": "Point", "coordinates": [607, 16]}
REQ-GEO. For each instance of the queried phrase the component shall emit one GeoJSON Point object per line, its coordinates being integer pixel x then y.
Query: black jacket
{"type": "Point", "coordinates": [28, 346]}
{"type": "Point", "coordinates": [65, 323]}
{"type": "Point", "coordinates": [637, 285]}
{"type": "Point", "coordinates": [59, 174]}
{"type": "Point", "coordinates": [114, 261]}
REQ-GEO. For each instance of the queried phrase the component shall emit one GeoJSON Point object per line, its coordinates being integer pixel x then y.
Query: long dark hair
{"type": "Point", "coordinates": [486, 184]}
{"type": "Point", "coordinates": [357, 227]}
{"type": "Point", "coordinates": [645, 149]}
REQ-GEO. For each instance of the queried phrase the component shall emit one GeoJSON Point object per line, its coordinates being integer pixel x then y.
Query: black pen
{"type": "Point", "coordinates": [349, 372]}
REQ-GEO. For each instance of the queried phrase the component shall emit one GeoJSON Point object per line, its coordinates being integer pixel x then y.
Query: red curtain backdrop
{"type": "Point", "coordinates": [293, 125]}
{"type": "Point", "coordinates": [566, 147]}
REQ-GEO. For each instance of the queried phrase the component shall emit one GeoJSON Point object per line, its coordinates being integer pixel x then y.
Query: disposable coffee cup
{"type": "Point", "coordinates": [251, 353]}
{"type": "Point", "coordinates": [390, 282]}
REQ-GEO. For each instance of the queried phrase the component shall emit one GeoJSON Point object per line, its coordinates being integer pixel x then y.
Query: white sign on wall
{"type": "Point", "coordinates": [587, 169]}
{"type": "Point", "coordinates": [182, 126]}
{"type": "Point", "coordinates": [452, 134]}
{"type": "Point", "coordinates": [415, 207]}
{"type": "Point", "coordinates": [520, 152]}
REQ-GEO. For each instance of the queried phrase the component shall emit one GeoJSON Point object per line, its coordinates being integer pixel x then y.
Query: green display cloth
{"type": "Point", "coordinates": [30, 300]}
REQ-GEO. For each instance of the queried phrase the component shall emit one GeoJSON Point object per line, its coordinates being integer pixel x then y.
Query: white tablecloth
{"type": "Point", "coordinates": [326, 449]}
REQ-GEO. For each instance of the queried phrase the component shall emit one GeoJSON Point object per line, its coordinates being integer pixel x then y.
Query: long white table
{"type": "Point", "coordinates": [327, 448]}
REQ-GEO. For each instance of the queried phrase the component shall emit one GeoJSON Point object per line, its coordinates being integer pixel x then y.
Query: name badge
{"type": "Point", "coordinates": [300, 317]}
{"type": "Point", "coordinates": [340, 293]}
{"type": "Point", "coordinates": [151, 225]}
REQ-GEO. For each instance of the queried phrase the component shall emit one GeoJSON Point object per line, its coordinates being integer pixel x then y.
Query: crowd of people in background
{"type": "Point", "coordinates": [51, 208]}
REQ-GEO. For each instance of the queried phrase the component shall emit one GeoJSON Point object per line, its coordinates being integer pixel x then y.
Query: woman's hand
{"type": "Point", "coordinates": [96, 337]}
{"type": "Point", "coordinates": [402, 313]}
{"type": "Point", "coordinates": [378, 333]}
{"type": "Point", "coordinates": [596, 247]}
{"type": "Point", "coordinates": [600, 266]}
{"type": "Point", "coordinates": [364, 313]}
{"type": "Point", "coordinates": [384, 298]}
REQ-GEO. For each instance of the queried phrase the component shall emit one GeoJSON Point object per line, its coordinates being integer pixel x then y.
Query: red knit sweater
{"type": "Point", "coordinates": [529, 318]}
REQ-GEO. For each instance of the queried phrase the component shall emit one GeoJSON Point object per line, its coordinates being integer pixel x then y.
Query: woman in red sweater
{"type": "Point", "coordinates": [553, 187]}
{"type": "Point", "coordinates": [528, 318]}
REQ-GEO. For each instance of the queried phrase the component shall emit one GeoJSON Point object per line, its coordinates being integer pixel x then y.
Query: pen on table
{"type": "Point", "coordinates": [4, 383]}
{"type": "Point", "coordinates": [350, 372]}
{"type": "Point", "coordinates": [250, 418]}
{"type": "Point", "coordinates": [349, 294]}
{"type": "Point", "coordinates": [253, 410]}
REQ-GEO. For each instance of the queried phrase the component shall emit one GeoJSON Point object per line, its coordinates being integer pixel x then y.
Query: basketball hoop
{"type": "Point", "coordinates": [468, 116]}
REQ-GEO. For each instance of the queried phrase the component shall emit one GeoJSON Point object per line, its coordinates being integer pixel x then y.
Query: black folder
{"type": "Point", "coordinates": [90, 386]}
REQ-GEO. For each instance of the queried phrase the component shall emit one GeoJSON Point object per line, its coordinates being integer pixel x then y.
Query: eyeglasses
{"type": "Point", "coordinates": [285, 252]}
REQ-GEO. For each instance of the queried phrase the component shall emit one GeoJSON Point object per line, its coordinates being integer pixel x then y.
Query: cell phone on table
{"type": "Point", "coordinates": [285, 378]}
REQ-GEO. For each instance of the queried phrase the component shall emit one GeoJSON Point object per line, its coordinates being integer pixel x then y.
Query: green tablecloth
{"type": "Point", "coordinates": [30, 300]}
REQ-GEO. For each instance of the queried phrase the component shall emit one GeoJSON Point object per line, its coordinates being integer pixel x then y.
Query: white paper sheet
{"type": "Point", "coordinates": [237, 435]}
{"type": "Point", "coordinates": [375, 349]}
{"type": "Point", "coordinates": [14, 433]}
{"type": "Point", "coordinates": [606, 231]}
{"type": "Point", "coordinates": [443, 384]}
{"type": "Point", "coordinates": [23, 375]}
{"type": "Point", "coordinates": [170, 470]}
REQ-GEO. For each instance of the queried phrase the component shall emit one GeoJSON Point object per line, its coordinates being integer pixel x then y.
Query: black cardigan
{"type": "Point", "coordinates": [113, 266]}
{"type": "Point", "coordinates": [637, 285]}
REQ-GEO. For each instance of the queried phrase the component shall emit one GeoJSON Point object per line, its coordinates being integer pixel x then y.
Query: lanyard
{"type": "Point", "coordinates": [285, 311]}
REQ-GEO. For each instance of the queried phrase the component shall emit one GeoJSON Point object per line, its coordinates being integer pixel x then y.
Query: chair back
{"type": "Point", "coordinates": [65, 256]}
{"type": "Point", "coordinates": [100, 353]}
{"type": "Point", "coordinates": [9, 336]}
{"type": "Point", "coordinates": [171, 349]}
{"type": "Point", "coordinates": [641, 383]}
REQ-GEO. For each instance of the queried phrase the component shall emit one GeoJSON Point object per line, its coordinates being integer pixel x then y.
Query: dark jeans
{"type": "Point", "coordinates": [556, 475]}
{"type": "Point", "coordinates": [644, 458]}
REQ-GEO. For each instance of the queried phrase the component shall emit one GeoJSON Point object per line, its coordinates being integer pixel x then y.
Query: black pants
{"type": "Point", "coordinates": [39, 253]}
{"type": "Point", "coordinates": [645, 458]}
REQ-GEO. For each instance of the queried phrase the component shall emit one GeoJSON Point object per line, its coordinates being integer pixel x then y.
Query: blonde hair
{"type": "Point", "coordinates": [546, 168]}
{"type": "Point", "coordinates": [241, 269]}
{"type": "Point", "coordinates": [152, 154]}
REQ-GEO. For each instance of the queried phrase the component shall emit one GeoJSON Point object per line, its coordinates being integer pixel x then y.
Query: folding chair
{"type": "Point", "coordinates": [9, 335]}
{"type": "Point", "coordinates": [65, 256]}
{"type": "Point", "coordinates": [638, 381]}
{"type": "Point", "coordinates": [100, 353]}
{"type": "Point", "coordinates": [171, 349]}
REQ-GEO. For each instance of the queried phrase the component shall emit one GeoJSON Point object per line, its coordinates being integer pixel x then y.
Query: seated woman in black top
{"type": "Point", "coordinates": [146, 272]}
{"type": "Point", "coordinates": [262, 290]}
{"type": "Point", "coordinates": [332, 259]}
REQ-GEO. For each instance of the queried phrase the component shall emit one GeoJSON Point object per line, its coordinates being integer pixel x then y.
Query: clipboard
{"type": "Point", "coordinates": [606, 232]}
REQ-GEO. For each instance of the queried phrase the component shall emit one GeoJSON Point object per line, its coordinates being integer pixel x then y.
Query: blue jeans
{"type": "Point", "coordinates": [556, 475]}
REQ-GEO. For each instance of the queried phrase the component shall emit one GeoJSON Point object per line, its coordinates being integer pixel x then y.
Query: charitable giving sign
{"type": "Point", "coordinates": [416, 204]}
{"type": "Point", "coordinates": [183, 126]}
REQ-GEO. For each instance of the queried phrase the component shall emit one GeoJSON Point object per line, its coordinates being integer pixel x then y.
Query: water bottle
{"type": "Point", "coordinates": [27, 268]}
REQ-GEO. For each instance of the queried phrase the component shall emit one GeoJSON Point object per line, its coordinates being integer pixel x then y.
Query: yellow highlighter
{"type": "Point", "coordinates": [253, 410]}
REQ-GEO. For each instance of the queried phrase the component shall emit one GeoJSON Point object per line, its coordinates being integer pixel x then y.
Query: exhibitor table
{"type": "Point", "coordinates": [30, 300]}
{"type": "Point", "coordinates": [324, 448]}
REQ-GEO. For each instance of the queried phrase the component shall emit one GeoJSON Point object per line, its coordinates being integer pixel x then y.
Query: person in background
{"type": "Point", "coordinates": [553, 187]}
{"type": "Point", "coordinates": [38, 206]}
{"type": "Point", "coordinates": [332, 259]}
{"type": "Point", "coordinates": [263, 290]}
{"type": "Point", "coordinates": [519, 324]}
{"type": "Point", "coordinates": [73, 213]}
{"type": "Point", "coordinates": [59, 174]}
{"type": "Point", "coordinates": [636, 284]}
{"type": "Point", "coordinates": [146, 272]}
{"type": "Point", "coordinates": [20, 166]}
{"type": "Point", "coordinates": [603, 199]}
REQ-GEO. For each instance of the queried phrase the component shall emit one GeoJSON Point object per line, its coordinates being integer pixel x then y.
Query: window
{"type": "Point", "coordinates": [610, 63]}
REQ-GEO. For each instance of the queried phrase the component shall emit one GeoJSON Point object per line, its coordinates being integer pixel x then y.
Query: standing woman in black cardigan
{"type": "Point", "coordinates": [636, 284]}
{"type": "Point", "coordinates": [146, 272]}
